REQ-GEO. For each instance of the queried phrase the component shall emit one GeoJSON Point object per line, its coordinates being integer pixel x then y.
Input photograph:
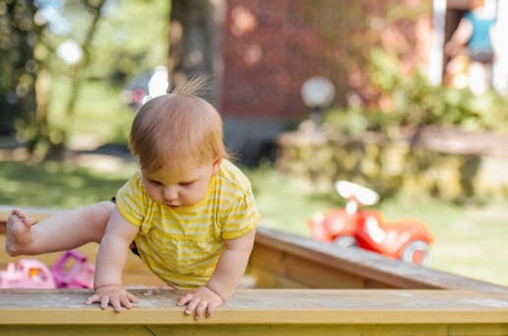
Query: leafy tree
{"type": "Point", "coordinates": [118, 40]}
{"type": "Point", "coordinates": [17, 65]}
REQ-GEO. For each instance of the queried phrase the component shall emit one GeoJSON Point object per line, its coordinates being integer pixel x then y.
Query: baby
{"type": "Point", "coordinates": [189, 213]}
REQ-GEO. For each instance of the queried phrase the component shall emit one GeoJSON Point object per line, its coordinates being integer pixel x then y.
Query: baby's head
{"type": "Point", "coordinates": [177, 130]}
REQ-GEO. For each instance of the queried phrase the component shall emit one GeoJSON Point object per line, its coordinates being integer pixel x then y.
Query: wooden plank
{"type": "Point", "coordinates": [276, 251]}
{"type": "Point", "coordinates": [255, 330]}
{"type": "Point", "coordinates": [294, 271]}
{"type": "Point", "coordinates": [228, 330]}
{"type": "Point", "coordinates": [259, 306]}
{"type": "Point", "coordinates": [331, 330]}
{"type": "Point", "coordinates": [264, 279]}
{"type": "Point", "coordinates": [271, 312]}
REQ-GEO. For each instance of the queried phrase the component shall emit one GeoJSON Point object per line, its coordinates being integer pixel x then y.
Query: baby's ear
{"type": "Point", "coordinates": [216, 166]}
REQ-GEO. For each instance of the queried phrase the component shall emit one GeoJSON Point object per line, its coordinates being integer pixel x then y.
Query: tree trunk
{"type": "Point", "coordinates": [57, 149]}
{"type": "Point", "coordinates": [17, 98]}
{"type": "Point", "coordinates": [194, 42]}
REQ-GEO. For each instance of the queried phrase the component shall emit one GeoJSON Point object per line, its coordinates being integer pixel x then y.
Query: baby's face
{"type": "Point", "coordinates": [183, 188]}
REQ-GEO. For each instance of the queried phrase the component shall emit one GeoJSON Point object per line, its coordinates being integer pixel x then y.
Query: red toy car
{"type": "Point", "coordinates": [405, 239]}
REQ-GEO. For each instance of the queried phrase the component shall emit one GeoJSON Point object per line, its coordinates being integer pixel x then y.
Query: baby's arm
{"type": "Point", "coordinates": [232, 265]}
{"type": "Point", "coordinates": [225, 279]}
{"type": "Point", "coordinates": [111, 259]}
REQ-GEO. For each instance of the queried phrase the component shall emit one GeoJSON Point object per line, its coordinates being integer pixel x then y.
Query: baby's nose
{"type": "Point", "coordinates": [170, 193]}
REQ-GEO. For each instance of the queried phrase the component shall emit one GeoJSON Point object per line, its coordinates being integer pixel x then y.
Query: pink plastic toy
{"type": "Point", "coordinates": [27, 273]}
{"type": "Point", "coordinates": [72, 270]}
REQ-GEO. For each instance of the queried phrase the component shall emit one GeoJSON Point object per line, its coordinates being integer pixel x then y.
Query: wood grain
{"type": "Point", "coordinates": [262, 311]}
{"type": "Point", "coordinates": [317, 264]}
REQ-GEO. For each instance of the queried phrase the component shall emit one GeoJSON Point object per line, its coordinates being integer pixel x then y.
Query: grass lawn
{"type": "Point", "coordinates": [58, 186]}
{"type": "Point", "coordinates": [469, 240]}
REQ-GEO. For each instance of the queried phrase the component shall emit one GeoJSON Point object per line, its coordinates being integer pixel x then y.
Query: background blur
{"type": "Point", "coordinates": [399, 116]}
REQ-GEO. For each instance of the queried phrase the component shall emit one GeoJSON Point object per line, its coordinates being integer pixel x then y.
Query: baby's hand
{"type": "Point", "coordinates": [113, 295]}
{"type": "Point", "coordinates": [199, 301]}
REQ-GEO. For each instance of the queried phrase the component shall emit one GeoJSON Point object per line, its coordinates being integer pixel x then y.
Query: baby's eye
{"type": "Point", "coordinates": [186, 184]}
{"type": "Point", "coordinates": [155, 183]}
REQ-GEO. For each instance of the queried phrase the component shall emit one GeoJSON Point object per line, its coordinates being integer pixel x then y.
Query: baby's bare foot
{"type": "Point", "coordinates": [19, 233]}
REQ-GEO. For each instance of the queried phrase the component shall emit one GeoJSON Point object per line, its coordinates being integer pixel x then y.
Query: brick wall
{"type": "Point", "coordinates": [269, 50]}
{"type": "Point", "coordinates": [271, 46]}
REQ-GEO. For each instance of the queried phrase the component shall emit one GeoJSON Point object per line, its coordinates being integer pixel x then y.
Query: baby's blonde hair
{"type": "Point", "coordinates": [177, 127]}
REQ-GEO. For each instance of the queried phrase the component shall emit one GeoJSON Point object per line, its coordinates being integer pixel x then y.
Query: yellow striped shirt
{"type": "Point", "coordinates": [183, 245]}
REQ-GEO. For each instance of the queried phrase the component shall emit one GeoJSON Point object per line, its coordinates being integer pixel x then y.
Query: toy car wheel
{"type": "Point", "coordinates": [345, 241]}
{"type": "Point", "coordinates": [417, 252]}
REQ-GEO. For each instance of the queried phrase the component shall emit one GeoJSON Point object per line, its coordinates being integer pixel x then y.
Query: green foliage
{"type": "Point", "coordinates": [410, 100]}
{"type": "Point", "coordinates": [133, 38]}
{"type": "Point", "coordinates": [348, 122]}
{"type": "Point", "coordinates": [119, 40]}
{"type": "Point", "coordinates": [100, 113]}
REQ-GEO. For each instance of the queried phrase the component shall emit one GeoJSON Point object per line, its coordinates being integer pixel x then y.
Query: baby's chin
{"type": "Point", "coordinates": [173, 206]}
{"type": "Point", "coordinates": [178, 205]}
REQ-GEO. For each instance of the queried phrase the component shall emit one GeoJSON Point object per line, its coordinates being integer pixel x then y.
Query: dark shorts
{"type": "Point", "coordinates": [134, 249]}
{"type": "Point", "coordinates": [481, 56]}
{"type": "Point", "coordinates": [132, 246]}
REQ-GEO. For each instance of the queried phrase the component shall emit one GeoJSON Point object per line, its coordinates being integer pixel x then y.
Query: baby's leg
{"type": "Point", "coordinates": [63, 231]}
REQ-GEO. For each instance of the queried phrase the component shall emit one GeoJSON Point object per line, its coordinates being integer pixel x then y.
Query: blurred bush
{"type": "Point", "coordinates": [418, 138]}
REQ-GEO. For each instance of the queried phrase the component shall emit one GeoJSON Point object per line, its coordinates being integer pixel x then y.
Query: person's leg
{"type": "Point", "coordinates": [488, 75]}
{"type": "Point", "coordinates": [63, 231]}
{"type": "Point", "coordinates": [478, 81]}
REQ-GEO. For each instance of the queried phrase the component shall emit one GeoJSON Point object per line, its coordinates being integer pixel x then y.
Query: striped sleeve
{"type": "Point", "coordinates": [242, 216]}
{"type": "Point", "coordinates": [131, 200]}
